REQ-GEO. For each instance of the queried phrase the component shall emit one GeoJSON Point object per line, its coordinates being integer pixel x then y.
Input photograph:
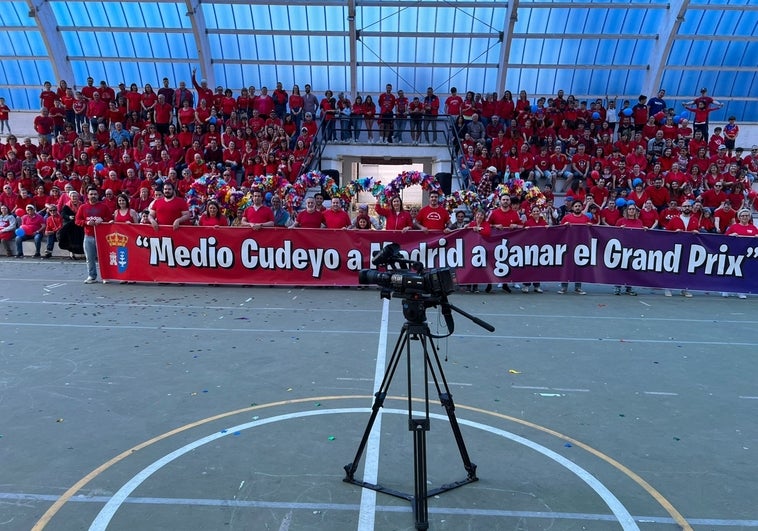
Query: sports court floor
{"type": "Point", "coordinates": [158, 407]}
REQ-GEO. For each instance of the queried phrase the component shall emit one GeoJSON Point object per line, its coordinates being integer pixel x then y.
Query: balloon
{"type": "Point", "coordinates": [213, 120]}
{"type": "Point", "coordinates": [659, 115]}
{"type": "Point", "coordinates": [595, 174]}
{"type": "Point", "coordinates": [99, 167]}
{"type": "Point", "coordinates": [595, 115]}
{"type": "Point", "coordinates": [621, 202]}
{"type": "Point", "coordinates": [630, 203]}
{"type": "Point", "coordinates": [19, 212]}
{"type": "Point", "coordinates": [534, 108]}
{"type": "Point", "coordinates": [269, 195]}
{"type": "Point", "coordinates": [588, 214]}
{"type": "Point", "coordinates": [677, 119]}
{"type": "Point", "coordinates": [637, 182]}
{"type": "Point", "coordinates": [627, 112]}
{"type": "Point", "coordinates": [20, 232]}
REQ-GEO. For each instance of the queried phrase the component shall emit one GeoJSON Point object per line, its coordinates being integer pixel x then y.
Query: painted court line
{"type": "Point", "coordinates": [104, 517]}
{"type": "Point", "coordinates": [245, 330]}
{"type": "Point", "coordinates": [367, 512]}
{"type": "Point", "coordinates": [350, 507]}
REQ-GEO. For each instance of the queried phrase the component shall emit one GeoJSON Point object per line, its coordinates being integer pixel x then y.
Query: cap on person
{"type": "Point", "coordinates": [363, 206]}
{"type": "Point", "coordinates": [492, 169]}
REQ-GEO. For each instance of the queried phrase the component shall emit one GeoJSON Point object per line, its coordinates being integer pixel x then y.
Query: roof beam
{"type": "Point", "coordinates": [352, 48]}
{"type": "Point", "coordinates": [511, 17]}
{"type": "Point", "coordinates": [197, 19]}
{"type": "Point", "coordinates": [669, 28]}
{"type": "Point", "coordinates": [56, 49]}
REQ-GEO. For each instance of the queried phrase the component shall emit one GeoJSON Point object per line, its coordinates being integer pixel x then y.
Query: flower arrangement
{"type": "Point", "coordinates": [463, 197]}
{"type": "Point", "coordinates": [404, 180]}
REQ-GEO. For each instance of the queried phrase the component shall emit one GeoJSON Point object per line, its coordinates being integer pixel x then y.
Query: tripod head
{"type": "Point", "coordinates": [419, 289]}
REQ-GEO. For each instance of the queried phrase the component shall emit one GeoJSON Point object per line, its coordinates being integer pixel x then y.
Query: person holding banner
{"type": "Point", "coordinates": [336, 217]}
{"type": "Point", "coordinates": [396, 217]}
{"type": "Point", "coordinates": [212, 216]}
{"type": "Point", "coordinates": [169, 209]}
{"type": "Point", "coordinates": [577, 216]}
{"type": "Point", "coordinates": [257, 215]}
{"type": "Point", "coordinates": [310, 218]}
{"type": "Point", "coordinates": [433, 216]}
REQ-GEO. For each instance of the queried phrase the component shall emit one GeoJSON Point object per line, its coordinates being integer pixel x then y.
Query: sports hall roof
{"type": "Point", "coordinates": [587, 48]}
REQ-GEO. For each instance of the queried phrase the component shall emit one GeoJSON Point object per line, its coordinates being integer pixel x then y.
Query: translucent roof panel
{"type": "Point", "coordinates": [589, 48]}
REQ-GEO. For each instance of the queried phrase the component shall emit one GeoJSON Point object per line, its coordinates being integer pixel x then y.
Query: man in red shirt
{"type": "Point", "coordinates": [577, 216]}
{"type": "Point", "coordinates": [203, 92]}
{"type": "Point", "coordinates": [44, 124]}
{"type": "Point", "coordinates": [169, 209]}
{"type": "Point", "coordinates": [387, 102]}
{"type": "Point", "coordinates": [89, 215]}
{"type": "Point", "coordinates": [685, 221]}
{"type": "Point", "coordinates": [506, 216]}
{"type": "Point", "coordinates": [658, 194]}
{"type": "Point", "coordinates": [433, 216]}
{"type": "Point", "coordinates": [257, 215]}
{"type": "Point", "coordinates": [310, 218]}
{"type": "Point", "coordinates": [336, 217]}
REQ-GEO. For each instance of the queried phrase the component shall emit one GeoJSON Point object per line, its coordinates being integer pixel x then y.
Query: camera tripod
{"type": "Point", "coordinates": [415, 328]}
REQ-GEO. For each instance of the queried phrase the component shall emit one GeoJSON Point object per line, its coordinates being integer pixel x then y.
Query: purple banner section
{"type": "Point", "coordinates": [609, 255]}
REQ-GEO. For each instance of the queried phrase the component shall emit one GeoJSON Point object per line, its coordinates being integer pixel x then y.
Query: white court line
{"type": "Point", "coordinates": [625, 318]}
{"type": "Point", "coordinates": [659, 393]}
{"type": "Point", "coordinates": [367, 513]}
{"type": "Point", "coordinates": [106, 514]}
{"type": "Point", "coordinates": [370, 332]}
{"type": "Point", "coordinates": [749, 397]}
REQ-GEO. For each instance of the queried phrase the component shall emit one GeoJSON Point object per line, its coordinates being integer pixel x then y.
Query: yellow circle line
{"type": "Point", "coordinates": [76, 487]}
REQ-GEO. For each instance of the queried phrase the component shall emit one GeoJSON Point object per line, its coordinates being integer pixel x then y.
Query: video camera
{"type": "Point", "coordinates": [437, 282]}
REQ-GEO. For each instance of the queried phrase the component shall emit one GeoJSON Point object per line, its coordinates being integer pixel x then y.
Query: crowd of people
{"type": "Point", "coordinates": [131, 150]}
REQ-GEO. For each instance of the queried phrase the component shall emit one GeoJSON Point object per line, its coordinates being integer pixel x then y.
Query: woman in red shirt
{"type": "Point", "coordinates": [369, 114]}
{"type": "Point", "coordinates": [212, 216]}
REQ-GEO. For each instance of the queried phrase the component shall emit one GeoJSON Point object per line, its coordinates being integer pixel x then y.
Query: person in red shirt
{"type": "Point", "coordinates": [685, 221]}
{"type": "Point", "coordinates": [658, 193]}
{"type": "Point", "coordinates": [310, 218]}
{"type": "Point", "coordinates": [744, 227]}
{"type": "Point", "coordinates": [505, 217]}
{"type": "Point", "coordinates": [203, 92]}
{"type": "Point", "coordinates": [612, 213]}
{"type": "Point", "coordinates": [33, 225]}
{"type": "Point", "coordinates": [336, 217]}
{"type": "Point", "coordinates": [433, 216]}
{"type": "Point", "coordinates": [724, 216]}
{"type": "Point", "coordinates": [169, 209]}
{"type": "Point", "coordinates": [397, 218]}
{"type": "Point", "coordinates": [257, 216]}
{"type": "Point", "coordinates": [453, 103]}
{"type": "Point", "coordinates": [89, 215]}
{"type": "Point", "coordinates": [669, 213]}
{"type": "Point", "coordinates": [387, 102]}
{"type": "Point", "coordinates": [47, 97]}
{"type": "Point", "coordinates": [648, 215]}
{"type": "Point", "coordinates": [577, 216]}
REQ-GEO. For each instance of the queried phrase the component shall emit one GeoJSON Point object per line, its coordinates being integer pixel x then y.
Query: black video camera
{"type": "Point", "coordinates": [402, 280]}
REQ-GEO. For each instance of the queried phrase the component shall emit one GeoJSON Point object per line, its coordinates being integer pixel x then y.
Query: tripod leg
{"type": "Point", "coordinates": [380, 396]}
{"type": "Point", "coordinates": [446, 399]}
{"type": "Point", "coordinates": [420, 505]}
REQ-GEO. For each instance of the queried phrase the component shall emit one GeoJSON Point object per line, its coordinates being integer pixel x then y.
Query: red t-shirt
{"type": "Point", "coordinates": [336, 220]}
{"type": "Point", "coordinates": [169, 210]}
{"type": "Point", "coordinates": [310, 220]}
{"type": "Point", "coordinates": [433, 218]}
{"type": "Point", "coordinates": [260, 215]}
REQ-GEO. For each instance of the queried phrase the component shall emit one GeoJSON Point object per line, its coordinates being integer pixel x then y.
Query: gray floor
{"type": "Point", "coordinates": [171, 407]}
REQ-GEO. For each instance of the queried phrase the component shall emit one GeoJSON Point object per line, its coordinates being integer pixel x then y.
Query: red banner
{"type": "Point", "coordinates": [324, 257]}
